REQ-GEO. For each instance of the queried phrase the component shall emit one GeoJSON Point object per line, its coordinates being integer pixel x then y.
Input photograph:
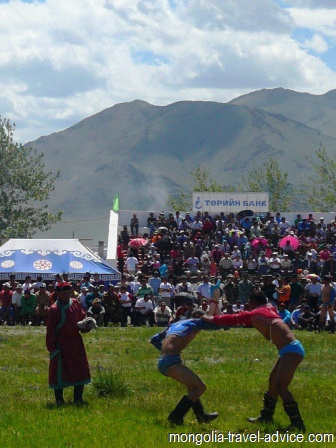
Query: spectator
{"type": "Point", "coordinates": [28, 308]}
{"type": "Point", "coordinates": [245, 287]}
{"type": "Point", "coordinates": [134, 224]}
{"type": "Point", "coordinates": [162, 314]}
{"type": "Point", "coordinates": [144, 311]}
{"type": "Point", "coordinates": [6, 305]}
{"type": "Point", "coordinates": [307, 318]}
{"type": "Point", "coordinates": [132, 264]}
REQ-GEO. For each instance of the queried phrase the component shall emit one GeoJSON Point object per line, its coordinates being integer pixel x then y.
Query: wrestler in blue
{"type": "Point", "coordinates": [171, 342]}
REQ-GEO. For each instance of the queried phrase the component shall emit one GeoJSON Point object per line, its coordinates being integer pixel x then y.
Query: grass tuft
{"type": "Point", "coordinates": [109, 383]}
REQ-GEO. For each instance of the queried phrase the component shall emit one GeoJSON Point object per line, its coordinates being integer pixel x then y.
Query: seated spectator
{"type": "Point", "coordinates": [237, 307]}
{"type": "Point", "coordinates": [192, 265]}
{"type": "Point", "coordinates": [113, 310]}
{"type": "Point", "coordinates": [162, 314]}
{"type": "Point", "coordinates": [184, 311]}
{"type": "Point", "coordinates": [306, 319]}
{"type": "Point", "coordinates": [165, 292]}
{"type": "Point", "coordinates": [144, 311]}
{"type": "Point", "coordinates": [286, 264]}
{"type": "Point", "coordinates": [238, 263]}
{"type": "Point", "coordinates": [225, 265]}
{"type": "Point", "coordinates": [97, 311]}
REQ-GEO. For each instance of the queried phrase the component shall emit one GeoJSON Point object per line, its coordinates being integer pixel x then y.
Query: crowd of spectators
{"type": "Point", "coordinates": [214, 263]}
{"type": "Point", "coordinates": [293, 263]}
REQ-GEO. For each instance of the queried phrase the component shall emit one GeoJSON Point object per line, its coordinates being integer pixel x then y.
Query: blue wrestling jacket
{"type": "Point", "coordinates": [182, 328]}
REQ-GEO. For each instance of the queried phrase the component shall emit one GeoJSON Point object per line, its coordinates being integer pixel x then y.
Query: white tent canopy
{"type": "Point", "coordinates": [48, 257]}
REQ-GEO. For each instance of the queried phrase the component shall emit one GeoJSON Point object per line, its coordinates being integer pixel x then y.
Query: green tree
{"type": "Point", "coordinates": [321, 189]}
{"type": "Point", "coordinates": [270, 179]}
{"type": "Point", "coordinates": [24, 188]}
{"type": "Point", "coordinates": [200, 181]}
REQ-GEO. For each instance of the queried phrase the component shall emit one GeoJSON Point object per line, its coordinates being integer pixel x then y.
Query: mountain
{"type": "Point", "coordinates": [146, 152]}
{"type": "Point", "coordinates": [315, 111]}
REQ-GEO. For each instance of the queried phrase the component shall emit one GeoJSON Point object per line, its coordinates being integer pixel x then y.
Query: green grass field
{"type": "Point", "coordinates": [234, 365]}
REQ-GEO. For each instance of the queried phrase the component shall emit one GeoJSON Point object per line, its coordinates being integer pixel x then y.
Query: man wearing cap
{"type": "Point", "coordinates": [296, 293]}
{"type": "Point", "coordinates": [68, 361]}
{"type": "Point", "coordinates": [97, 311]}
{"type": "Point", "coordinates": [6, 306]}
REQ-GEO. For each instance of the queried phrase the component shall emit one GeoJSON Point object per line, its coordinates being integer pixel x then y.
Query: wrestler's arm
{"type": "Point", "coordinates": [221, 320]}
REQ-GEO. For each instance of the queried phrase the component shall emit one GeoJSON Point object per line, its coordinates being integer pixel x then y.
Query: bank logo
{"type": "Point", "coordinates": [198, 203]}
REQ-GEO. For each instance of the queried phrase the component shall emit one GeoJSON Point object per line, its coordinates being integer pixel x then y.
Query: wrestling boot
{"type": "Point", "coordinates": [203, 417]}
{"type": "Point", "coordinates": [59, 397]}
{"type": "Point", "coordinates": [78, 395]}
{"type": "Point", "coordinates": [176, 415]}
{"type": "Point", "coordinates": [332, 327]}
{"type": "Point", "coordinates": [292, 410]}
{"type": "Point", "coordinates": [266, 414]}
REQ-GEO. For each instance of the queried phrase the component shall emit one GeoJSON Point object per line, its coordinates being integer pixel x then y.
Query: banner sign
{"type": "Point", "coordinates": [230, 202]}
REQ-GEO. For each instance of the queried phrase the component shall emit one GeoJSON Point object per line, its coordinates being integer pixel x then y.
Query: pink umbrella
{"type": "Point", "coordinates": [257, 241]}
{"type": "Point", "coordinates": [138, 242]}
{"type": "Point", "coordinates": [293, 241]}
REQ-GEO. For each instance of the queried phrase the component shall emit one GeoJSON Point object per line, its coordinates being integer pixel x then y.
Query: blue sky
{"type": "Point", "coordinates": [61, 60]}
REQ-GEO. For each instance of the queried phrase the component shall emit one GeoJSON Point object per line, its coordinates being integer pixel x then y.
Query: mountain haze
{"type": "Point", "coordinates": [146, 152]}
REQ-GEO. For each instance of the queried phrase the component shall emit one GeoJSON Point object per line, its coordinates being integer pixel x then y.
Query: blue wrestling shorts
{"type": "Point", "coordinates": [165, 362]}
{"type": "Point", "coordinates": [293, 347]}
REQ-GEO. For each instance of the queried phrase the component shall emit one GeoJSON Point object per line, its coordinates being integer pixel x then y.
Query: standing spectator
{"type": "Point", "coordinates": [155, 282]}
{"type": "Point", "coordinates": [296, 293]}
{"type": "Point", "coordinates": [134, 224]}
{"type": "Point", "coordinates": [28, 307]}
{"type": "Point", "coordinates": [132, 264]}
{"type": "Point", "coordinates": [313, 293]}
{"type": "Point", "coordinates": [16, 301]}
{"type": "Point", "coordinates": [126, 300]}
{"type": "Point", "coordinates": [43, 304]}
{"type": "Point", "coordinates": [327, 305]}
{"type": "Point", "coordinates": [245, 287]}
{"type": "Point", "coordinates": [68, 362]}
{"type": "Point", "coordinates": [6, 306]}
